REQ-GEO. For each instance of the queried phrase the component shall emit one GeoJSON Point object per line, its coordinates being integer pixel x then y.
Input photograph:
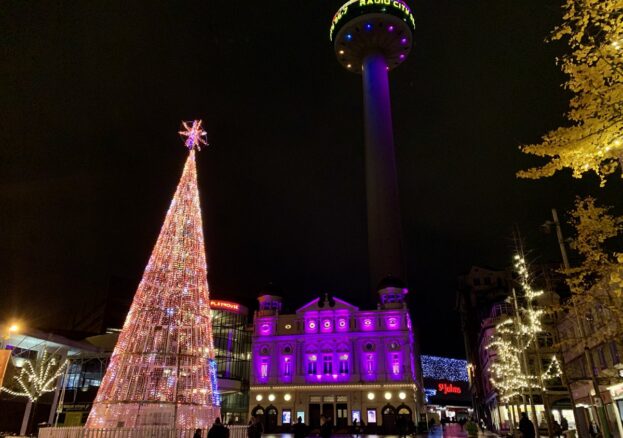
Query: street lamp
{"type": "Point", "coordinates": [7, 330]}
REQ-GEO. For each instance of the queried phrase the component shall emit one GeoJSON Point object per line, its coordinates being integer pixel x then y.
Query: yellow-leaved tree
{"type": "Point", "coordinates": [597, 281]}
{"type": "Point", "coordinates": [593, 141]}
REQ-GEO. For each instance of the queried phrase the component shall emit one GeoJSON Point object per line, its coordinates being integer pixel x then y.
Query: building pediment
{"type": "Point", "coordinates": [326, 303]}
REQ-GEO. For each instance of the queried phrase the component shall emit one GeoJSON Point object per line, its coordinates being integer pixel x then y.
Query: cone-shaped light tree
{"type": "Point", "coordinates": [162, 370]}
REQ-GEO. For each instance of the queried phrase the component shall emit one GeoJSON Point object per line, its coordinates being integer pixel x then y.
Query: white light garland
{"type": "Point", "coordinates": [512, 338]}
{"type": "Point", "coordinates": [39, 379]}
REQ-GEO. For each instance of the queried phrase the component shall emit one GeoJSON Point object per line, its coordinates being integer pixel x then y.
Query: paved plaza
{"type": "Point", "coordinates": [450, 431]}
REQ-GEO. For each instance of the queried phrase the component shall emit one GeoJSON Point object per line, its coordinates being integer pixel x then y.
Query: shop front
{"type": "Point", "coordinates": [616, 393]}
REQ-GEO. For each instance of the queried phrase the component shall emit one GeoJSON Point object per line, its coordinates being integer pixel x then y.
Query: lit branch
{"type": "Point", "coordinates": [38, 379]}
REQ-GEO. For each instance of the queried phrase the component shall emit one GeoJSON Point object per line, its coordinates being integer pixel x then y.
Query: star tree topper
{"type": "Point", "coordinates": [195, 135]}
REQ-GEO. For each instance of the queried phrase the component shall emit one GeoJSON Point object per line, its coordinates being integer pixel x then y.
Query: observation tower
{"type": "Point", "coordinates": [371, 38]}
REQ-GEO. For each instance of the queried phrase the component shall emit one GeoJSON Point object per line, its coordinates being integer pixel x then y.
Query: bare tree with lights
{"type": "Point", "coordinates": [34, 379]}
{"type": "Point", "coordinates": [513, 339]}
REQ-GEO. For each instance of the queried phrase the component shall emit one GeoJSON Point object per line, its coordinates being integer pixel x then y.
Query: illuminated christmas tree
{"type": "Point", "coordinates": [162, 370]}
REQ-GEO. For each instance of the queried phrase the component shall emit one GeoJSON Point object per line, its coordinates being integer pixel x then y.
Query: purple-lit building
{"type": "Point", "coordinates": [332, 358]}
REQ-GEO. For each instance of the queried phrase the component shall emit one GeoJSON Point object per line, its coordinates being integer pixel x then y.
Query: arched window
{"type": "Point", "coordinates": [258, 410]}
{"type": "Point", "coordinates": [389, 410]}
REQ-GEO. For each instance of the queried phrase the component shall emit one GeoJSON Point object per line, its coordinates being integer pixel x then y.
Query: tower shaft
{"type": "Point", "coordinates": [384, 224]}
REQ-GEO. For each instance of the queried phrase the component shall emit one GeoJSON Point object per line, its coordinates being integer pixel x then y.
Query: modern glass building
{"type": "Point", "coordinates": [232, 346]}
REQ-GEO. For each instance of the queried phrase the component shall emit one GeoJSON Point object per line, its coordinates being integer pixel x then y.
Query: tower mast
{"type": "Point", "coordinates": [372, 37]}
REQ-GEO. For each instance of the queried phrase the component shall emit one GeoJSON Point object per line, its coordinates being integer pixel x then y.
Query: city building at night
{"type": "Point", "coordinates": [232, 347]}
{"type": "Point", "coordinates": [479, 290]}
{"type": "Point", "coordinates": [446, 387]}
{"type": "Point", "coordinates": [592, 348]}
{"type": "Point", "coordinates": [331, 358]}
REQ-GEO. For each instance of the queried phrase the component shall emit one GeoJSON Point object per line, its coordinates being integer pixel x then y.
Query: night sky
{"type": "Point", "coordinates": [91, 99]}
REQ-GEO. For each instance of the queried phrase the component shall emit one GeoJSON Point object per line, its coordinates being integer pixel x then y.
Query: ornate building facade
{"type": "Point", "coordinates": [331, 358]}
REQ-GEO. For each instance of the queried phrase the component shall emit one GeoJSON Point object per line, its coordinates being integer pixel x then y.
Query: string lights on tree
{"type": "Point", "coordinates": [512, 339]}
{"type": "Point", "coordinates": [162, 370]}
{"type": "Point", "coordinates": [38, 378]}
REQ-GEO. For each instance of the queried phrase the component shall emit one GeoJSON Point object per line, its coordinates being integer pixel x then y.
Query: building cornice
{"type": "Point", "coordinates": [361, 386]}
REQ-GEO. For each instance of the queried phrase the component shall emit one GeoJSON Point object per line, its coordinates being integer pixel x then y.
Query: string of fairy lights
{"type": "Point", "coordinates": [39, 378]}
{"type": "Point", "coordinates": [444, 368]}
{"type": "Point", "coordinates": [165, 354]}
{"type": "Point", "coordinates": [512, 339]}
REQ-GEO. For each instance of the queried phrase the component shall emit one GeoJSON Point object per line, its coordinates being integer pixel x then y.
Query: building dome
{"type": "Point", "coordinates": [391, 281]}
{"type": "Point", "coordinates": [272, 289]}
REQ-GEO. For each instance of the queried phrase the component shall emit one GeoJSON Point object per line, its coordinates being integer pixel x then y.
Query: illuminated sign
{"type": "Point", "coordinates": [360, 7]}
{"type": "Point", "coordinates": [448, 388]}
{"type": "Point", "coordinates": [226, 305]}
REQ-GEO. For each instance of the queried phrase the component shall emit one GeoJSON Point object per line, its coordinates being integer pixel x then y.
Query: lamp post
{"type": "Point", "coordinates": [8, 330]}
{"type": "Point", "coordinates": [5, 355]}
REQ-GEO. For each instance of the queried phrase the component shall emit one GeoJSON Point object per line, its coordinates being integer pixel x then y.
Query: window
{"type": "Point", "coordinates": [395, 364]}
{"type": "Point", "coordinates": [264, 368]}
{"type": "Point", "coordinates": [311, 365]}
{"type": "Point", "coordinates": [328, 364]}
{"type": "Point", "coordinates": [344, 364]}
{"type": "Point", "coordinates": [545, 340]}
{"type": "Point", "coordinates": [369, 363]}
{"type": "Point", "coordinates": [602, 357]}
{"type": "Point", "coordinates": [476, 281]}
{"type": "Point", "coordinates": [614, 352]}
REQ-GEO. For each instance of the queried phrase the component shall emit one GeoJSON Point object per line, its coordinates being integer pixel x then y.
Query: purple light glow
{"type": "Point", "coordinates": [390, 28]}
{"type": "Point", "coordinates": [264, 369]}
{"type": "Point", "coordinates": [392, 322]}
{"type": "Point", "coordinates": [341, 324]}
{"type": "Point", "coordinates": [329, 355]}
{"type": "Point", "coordinates": [326, 326]}
{"type": "Point", "coordinates": [403, 41]}
{"type": "Point", "coordinates": [402, 56]}
{"type": "Point", "coordinates": [265, 329]}
{"type": "Point", "coordinates": [311, 326]}
{"type": "Point", "coordinates": [367, 324]}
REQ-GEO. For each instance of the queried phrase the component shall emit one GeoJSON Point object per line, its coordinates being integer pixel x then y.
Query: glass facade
{"type": "Point", "coordinates": [232, 347]}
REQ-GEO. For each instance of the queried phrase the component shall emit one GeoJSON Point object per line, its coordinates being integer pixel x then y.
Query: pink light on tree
{"type": "Point", "coordinates": [162, 370]}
